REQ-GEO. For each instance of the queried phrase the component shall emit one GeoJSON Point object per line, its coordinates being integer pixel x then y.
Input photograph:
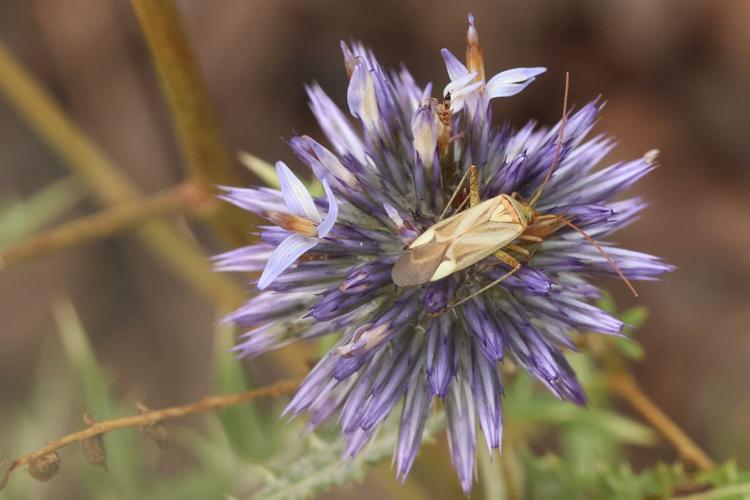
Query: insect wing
{"type": "Point", "coordinates": [464, 222]}
{"type": "Point", "coordinates": [482, 242]}
{"type": "Point", "coordinates": [417, 266]}
{"type": "Point", "coordinates": [458, 242]}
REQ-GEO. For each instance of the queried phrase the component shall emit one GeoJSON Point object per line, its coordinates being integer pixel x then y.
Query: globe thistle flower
{"type": "Point", "coordinates": [388, 176]}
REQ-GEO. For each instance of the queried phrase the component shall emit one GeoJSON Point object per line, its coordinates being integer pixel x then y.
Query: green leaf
{"type": "Point", "coordinates": [267, 173]}
{"type": "Point", "coordinates": [260, 168]}
{"type": "Point", "coordinates": [124, 464]}
{"type": "Point", "coordinates": [321, 467]}
{"type": "Point", "coordinates": [20, 218]}
{"type": "Point", "coordinates": [607, 303]}
{"type": "Point", "coordinates": [250, 434]}
{"type": "Point", "coordinates": [630, 348]}
{"type": "Point", "coordinates": [635, 316]}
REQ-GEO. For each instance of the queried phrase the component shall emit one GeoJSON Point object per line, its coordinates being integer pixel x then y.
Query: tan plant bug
{"type": "Point", "coordinates": [495, 226]}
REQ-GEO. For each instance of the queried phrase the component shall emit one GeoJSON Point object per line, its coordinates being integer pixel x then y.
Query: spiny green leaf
{"type": "Point", "coordinates": [321, 468]}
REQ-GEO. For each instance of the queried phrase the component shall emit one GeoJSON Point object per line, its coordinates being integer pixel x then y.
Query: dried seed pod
{"type": "Point", "coordinates": [159, 433]}
{"type": "Point", "coordinates": [94, 450]}
{"type": "Point", "coordinates": [93, 447]}
{"type": "Point", "coordinates": [155, 430]}
{"type": "Point", "coordinates": [45, 467]}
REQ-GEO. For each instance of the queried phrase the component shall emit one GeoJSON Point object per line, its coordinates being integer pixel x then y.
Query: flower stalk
{"type": "Point", "coordinates": [185, 198]}
{"type": "Point", "coordinates": [148, 418]}
{"type": "Point", "coordinates": [196, 126]}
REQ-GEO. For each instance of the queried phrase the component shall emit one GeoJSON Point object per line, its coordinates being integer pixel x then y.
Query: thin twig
{"type": "Point", "coordinates": [197, 129]}
{"type": "Point", "coordinates": [185, 197]}
{"type": "Point", "coordinates": [105, 179]}
{"type": "Point", "coordinates": [148, 418]}
{"type": "Point", "coordinates": [625, 385]}
{"type": "Point", "coordinates": [110, 187]}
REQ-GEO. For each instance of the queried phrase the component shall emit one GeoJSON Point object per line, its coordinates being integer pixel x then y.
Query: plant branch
{"type": "Point", "coordinates": [106, 223]}
{"type": "Point", "coordinates": [104, 178]}
{"type": "Point", "coordinates": [624, 385]}
{"type": "Point", "coordinates": [196, 126]}
{"type": "Point", "coordinates": [110, 187]}
{"type": "Point", "coordinates": [148, 418]}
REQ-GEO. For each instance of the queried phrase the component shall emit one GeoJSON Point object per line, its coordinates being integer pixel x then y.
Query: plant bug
{"type": "Point", "coordinates": [495, 226]}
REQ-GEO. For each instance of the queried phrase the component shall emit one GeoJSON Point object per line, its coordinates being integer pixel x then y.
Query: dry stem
{"type": "Point", "coordinates": [104, 178]}
{"type": "Point", "coordinates": [624, 385]}
{"type": "Point", "coordinates": [148, 418]}
{"type": "Point", "coordinates": [106, 182]}
{"type": "Point", "coordinates": [106, 223]}
{"type": "Point", "coordinates": [207, 158]}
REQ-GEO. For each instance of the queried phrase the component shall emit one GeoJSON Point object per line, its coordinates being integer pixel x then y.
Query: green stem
{"type": "Point", "coordinates": [193, 116]}
{"type": "Point", "coordinates": [100, 225]}
{"type": "Point", "coordinates": [105, 180]}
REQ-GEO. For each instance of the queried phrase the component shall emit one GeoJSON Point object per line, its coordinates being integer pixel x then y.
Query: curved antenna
{"type": "Point", "coordinates": [558, 147]}
{"type": "Point", "coordinates": [591, 240]}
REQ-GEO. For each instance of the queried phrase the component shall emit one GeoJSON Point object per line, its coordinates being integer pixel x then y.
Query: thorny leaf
{"type": "Point", "coordinates": [320, 468]}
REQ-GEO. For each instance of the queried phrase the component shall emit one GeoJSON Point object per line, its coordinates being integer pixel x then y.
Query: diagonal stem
{"type": "Point", "coordinates": [105, 223]}
{"type": "Point", "coordinates": [196, 126]}
{"type": "Point", "coordinates": [624, 385]}
{"type": "Point", "coordinates": [110, 187]}
{"type": "Point", "coordinates": [148, 418]}
{"type": "Point", "coordinates": [104, 178]}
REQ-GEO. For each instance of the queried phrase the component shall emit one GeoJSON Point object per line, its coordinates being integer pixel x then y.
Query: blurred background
{"type": "Point", "coordinates": [675, 75]}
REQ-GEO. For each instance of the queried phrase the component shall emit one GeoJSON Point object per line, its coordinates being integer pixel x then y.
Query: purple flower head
{"type": "Point", "coordinates": [389, 173]}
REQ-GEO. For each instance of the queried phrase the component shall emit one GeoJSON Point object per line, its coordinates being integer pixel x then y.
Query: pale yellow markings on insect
{"type": "Point", "coordinates": [445, 268]}
{"type": "Point", "coordinates": [513, 208]}
{"type": "Point", "coordinates": [482, 243]}
{"type": "Point", "coordinates": [423, 238]}
{"type": "Point", "coordinates": [476, 216]}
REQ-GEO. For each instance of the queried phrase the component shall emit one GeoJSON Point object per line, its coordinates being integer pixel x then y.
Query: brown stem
{"type": "Point", "coordinates": [624, 385]}
{"type": "Point", "coordinates": [106, 223]}
{"type": "Point", "coordinates": [148, 418]}
{"type": "Point", "coordinates": [193, 116]}
{"type": "Point", "coordinates": [105, 179]}
{"type": "Point", "coordinates": [110, 187]}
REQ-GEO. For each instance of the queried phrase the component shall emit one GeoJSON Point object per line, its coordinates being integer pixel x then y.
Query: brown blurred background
{"type": "Point", "coordinates": [675, 74]}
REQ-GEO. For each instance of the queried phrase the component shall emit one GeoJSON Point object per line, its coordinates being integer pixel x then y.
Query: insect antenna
{"type": "Point", "coordinates": [558, 147]}
{"type": "Point", "coordinates": [601, 250]}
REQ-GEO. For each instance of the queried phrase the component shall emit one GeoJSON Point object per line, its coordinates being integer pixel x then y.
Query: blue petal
{"type": "Point", "coordinates": [512, 81]}
{"type": "Point", "coordinates": [335, 126]}
{"type": "Point", "coordinates": [288, 251]}
{"type": "Point", "coordinates": [458, 87]}
{"type": "Point", "coordinates": [455, 68]}
{"type": "Point", "coordinates": [333, 212]}
{"type": "Point", "coordinates": [298, 200]}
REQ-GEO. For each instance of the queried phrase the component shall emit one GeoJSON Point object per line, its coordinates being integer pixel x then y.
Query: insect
{"type": "Point", "coordinates": [496, 226]}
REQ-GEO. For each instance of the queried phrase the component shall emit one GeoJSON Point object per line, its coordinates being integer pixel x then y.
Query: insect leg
{"type": "Point", "coordinates": [473, 186]}
{"type": "Point", "coordinates": [531, 238]}
{"type": "Point", "coordinates": [518, 249]}
{"type": "Point", "coordinates": [456, 191]}
{"type": "Point", "coordinates": [507, 259]}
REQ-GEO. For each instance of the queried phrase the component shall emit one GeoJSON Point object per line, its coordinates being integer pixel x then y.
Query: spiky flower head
{"type": "Point", "coordinates": [327, 263]}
